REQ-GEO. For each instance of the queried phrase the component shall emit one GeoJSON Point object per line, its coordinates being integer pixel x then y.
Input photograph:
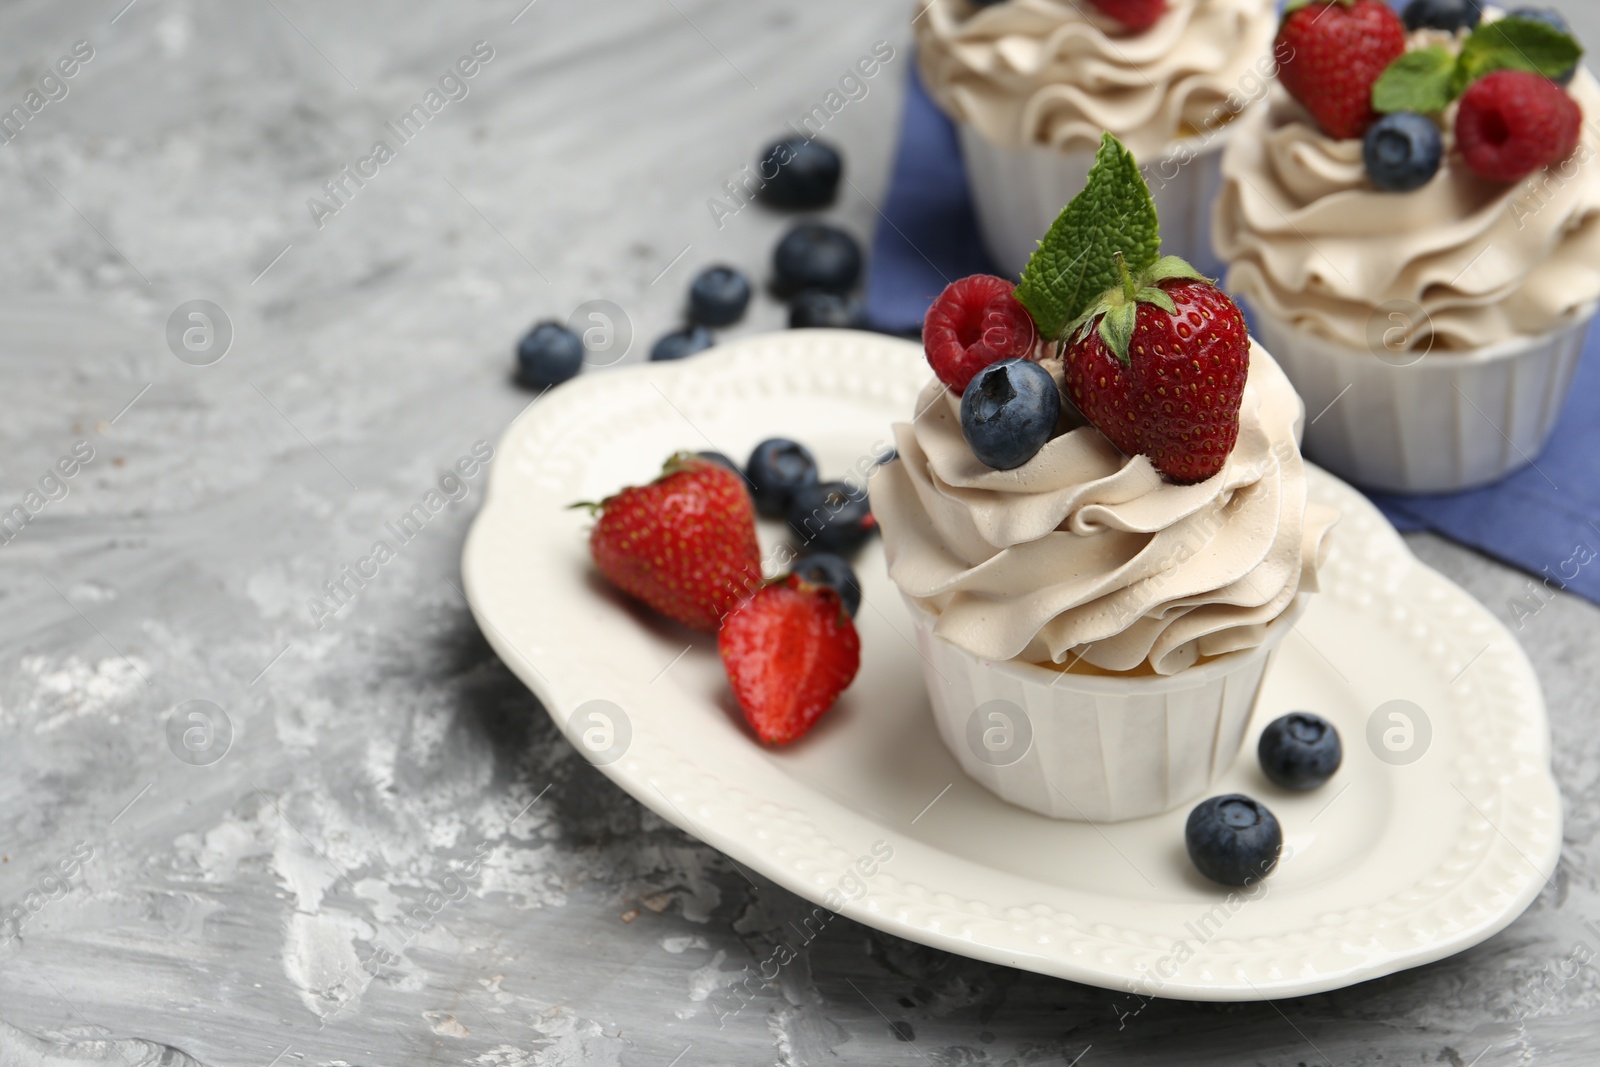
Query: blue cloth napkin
{"type": "Point", "coordinates": [1544, 519]}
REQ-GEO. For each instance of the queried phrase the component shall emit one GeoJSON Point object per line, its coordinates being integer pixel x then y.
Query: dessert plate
{"type": "Point", "coordinates": [1440, 828]}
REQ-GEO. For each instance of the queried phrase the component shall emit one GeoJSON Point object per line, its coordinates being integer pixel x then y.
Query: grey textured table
{"type": "Point", "coordinates": [379, 851]}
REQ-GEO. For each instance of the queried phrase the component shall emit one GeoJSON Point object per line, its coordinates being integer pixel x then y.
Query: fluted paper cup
{"type": "Point", "coordinates": [1434, 423]}
{"type": "Point", "coordinates": [1018, 193]}
{"type": "Point", "coordinates": [1093, 748]}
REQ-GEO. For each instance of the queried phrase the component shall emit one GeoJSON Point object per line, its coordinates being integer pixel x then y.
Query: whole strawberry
{"type": "Point", "coordinates": [1512, 123]}
{"type": "Point", "coordinates": [1331, 53]}
{"type": "Point", "coordinates": [685, 544]}
{"type": "Point", "coordinates": [789, 652]}
{"type": "Point", "coordinates": [1160, 369]}
{"type": "Point", "coordinates": [1136, 15]}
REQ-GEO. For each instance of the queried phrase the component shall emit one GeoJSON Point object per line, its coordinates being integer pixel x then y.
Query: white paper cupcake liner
{"type": "Point", "coordinates": [1093, 748]}
{"type": "Point", "coordinates": [1018, 193]}
{"type": "Point", "coordinates": [1438, 423]}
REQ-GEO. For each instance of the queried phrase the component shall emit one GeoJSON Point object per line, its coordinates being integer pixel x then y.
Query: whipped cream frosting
{"type": "Point", "coordinates": [1311, 242]}
{"type": "Point", "coordinates": [1057, 72]}
{"type": "Point", "coordinates": [1085, 554]}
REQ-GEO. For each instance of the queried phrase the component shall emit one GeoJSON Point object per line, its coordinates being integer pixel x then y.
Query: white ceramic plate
{"type": "Point", "coordinates": [1393, 864]}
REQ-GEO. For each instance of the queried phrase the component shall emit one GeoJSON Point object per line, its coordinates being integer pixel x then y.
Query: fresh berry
{"type": "Point", "coordinates": [1512, 123]}
{"type": "Point", "coordinates": [1175, 397]}
{"type": "Point", "coordinates": [831, 517]}
{"type": "Point", "coordinates": [813, 308]}
{"type": "Point", "coordinates": [789, 652]}
{"type": "Point", "coordinates": [681, 343]}
{"type": "Point", "coordinates": [1300, 751]}
{"type": "Point", "coordinates": [685, 544]}
{"type": "Point", "coordinates": [800, 173]}
{"type": "Point", "coordinates": [825, 568]}
{"type": "Point", "coordinates": [1403, 151]}
{"type": "Point", "coordinates": [548, 354]}
{"type": "Point", "coordinates": [975, 322]}
{"type": "Point", "coordinates": [718, 296]}
{"type": "Point", "coordinates": [816, 256]}
{"type": "Point", "coordinates": [1233, 840]}
{"type": "Point", "coordinates": [722, 461]}
{"type": "Point", "coordinates": [1331, 53]}
{"type": "Point", "coordinates": [778, 467]}
{"type": "Point", "coordinates": [1009, 411]}
{"type": "Point", "coordinates": [1449, 15]}
{"type": "Point", "coordinates": [1136, 15]}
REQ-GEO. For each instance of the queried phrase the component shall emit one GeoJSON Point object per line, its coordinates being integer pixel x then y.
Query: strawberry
{"type": "Point", "coordinates": [789, 652]}
{"type": "Point", "coordinates": [1512, 123]}
{"type": "Point", "coordinates": [1136, 15]}
{"type": "Point", "coordinates": [1159, 368]}
{"type": "Point", "coordinates": [685, 544]}
{"type": "Point", "coordinates": [975, 322]}
{"type": "Point", "coordinates": [1331, 53]}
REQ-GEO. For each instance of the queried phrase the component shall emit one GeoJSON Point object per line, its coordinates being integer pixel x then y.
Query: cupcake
{"type": "Point", "coordinates": [1032, 84]}
{"type": "Point", "coordinates": [1419, 244]}
{"type": "Point", "coordinates": [1099, 519]}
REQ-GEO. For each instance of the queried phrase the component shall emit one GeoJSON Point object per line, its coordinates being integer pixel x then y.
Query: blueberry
{"type": "Point", "coordinates": [718, 296]}
{"type": "Point", "coordinates": [816, 256]}
{"type": "Point", "coordinates": [825, 568]}
{"type": "Point", "coordinates": [776, 469]}
{"type": "Point", "coordinates": [1232, 839]}
{"type": "Point", "coordinates": [722, 461]}
{"type": "Point", "coordinates": [681, 343]}
{"type": "Point", "coordinates": [1009, 411]}
{"type": "Point", "coordinates": [1403, 151]}
{"type": "Point", "coordinates": [548, 355]}
{"type": "Point", "coordinates": [1443, 14]}
{"type": "Point", "coordinates": [831, 517]}
{"type": "Point", "coordinates": [800, 173]}
{"type": "Point", "coordinates": [1300, 751]}
{"type": "Point", "coordinates": [1555, 21]}
{"type": "Point", "coordinates": [818, 307]}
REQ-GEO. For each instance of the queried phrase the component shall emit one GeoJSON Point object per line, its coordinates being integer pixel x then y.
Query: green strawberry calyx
{"type": "Point", "coordinates": [1427, 80]}
{"type": "Point", "coordinates": [1115, 314]}
{"type": "Point", "coordinates": [676, 463]}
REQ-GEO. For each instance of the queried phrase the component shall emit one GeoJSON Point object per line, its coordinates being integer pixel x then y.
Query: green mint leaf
{"type": "Point", "coordinates": [1076, 261]}
{"type": "Point", "coordinates": [1515, 44]}
{"type": "Point", "coordinates": [1419, 81]}
{"type": "Point", "coordinates": [1116, 329]}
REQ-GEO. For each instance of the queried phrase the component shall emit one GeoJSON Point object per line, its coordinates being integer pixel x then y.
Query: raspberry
{"type": "Point", "coordinates": [1136, 15]}
{"type": "Point", "coordinates": [1513, 122]}
{"type": "Point", "coordinates": [975, 322]}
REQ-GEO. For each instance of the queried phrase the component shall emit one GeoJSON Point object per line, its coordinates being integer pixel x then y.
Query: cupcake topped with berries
{"type": "Point", "coordinates": [1032, 84]}
{"type": "Point", "coordinates": [1430, 162]}
{"type": "Point", "coordinates": [1103, 476]}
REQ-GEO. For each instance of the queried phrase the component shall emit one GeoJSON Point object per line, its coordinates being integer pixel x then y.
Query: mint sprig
{"type": "Point", "coordinates": [1077, 260]}
{"type": "Point", "coordinates": [1428, 79]}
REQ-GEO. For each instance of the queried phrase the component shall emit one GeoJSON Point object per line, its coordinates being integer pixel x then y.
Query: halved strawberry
{"type": "Point", "coordinates": [789, 652]}
{"type": "Point", "coordinates": [685, 544]}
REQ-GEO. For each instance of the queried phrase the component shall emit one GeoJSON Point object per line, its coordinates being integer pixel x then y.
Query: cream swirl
{"type": "Point", "coordinates": [1313, 243]}
{"type": "Point", "coordinates": [1084, 554]}
{"type": "Point", "coordinates": [1058, 73]}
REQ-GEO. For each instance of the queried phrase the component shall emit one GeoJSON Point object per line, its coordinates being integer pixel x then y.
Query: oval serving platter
{"type": "Point", "coordinates": [1440, 828]}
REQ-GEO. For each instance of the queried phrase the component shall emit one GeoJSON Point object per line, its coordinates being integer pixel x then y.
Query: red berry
{"type": "Point", "coordinates": [685, 544]}
{"type": "Point", "coordinates": [1137, 15]}
{"type": "Point", "coordinates": [1331, 53]}
{"type": "Point", "coordinates": [1177, 399]}
{"type": "Point", "coordinates": [789, 652]}
{"type": "Point", "coordinates": [1512, 123]}
{"type": "Point", "coordinates": [975, 322]}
